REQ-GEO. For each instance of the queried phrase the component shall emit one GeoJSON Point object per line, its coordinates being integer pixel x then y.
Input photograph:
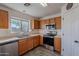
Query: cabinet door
{"type": "Point", "coordinates": [22, 46]}
{"type": "Point", "coordinates": [4, 19]}
{"type": "Point", "coordinates": [44, 22]}
{"type": "Point", "coordinates": [58, 22]}
{"type": "Point", "coordinates": [52, 21]}
{"type": "Point", "coordinates": [0, 20]}
{"type": "Point", "coordinates": [36, 41]}
{"type": "Point", "coordinates": [35, 24]}
{"type": "Point", "coordinates": [57, 44]}
{"type": "Point", "coordinates": [41, 40]}
{"type": "Point", "coordinates": [47, 21]}
{"type": "Point", "coordinates": [29, 43]}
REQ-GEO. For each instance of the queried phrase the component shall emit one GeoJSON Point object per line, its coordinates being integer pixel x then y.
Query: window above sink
{"type": "Point", "coordinates": [19, 25]}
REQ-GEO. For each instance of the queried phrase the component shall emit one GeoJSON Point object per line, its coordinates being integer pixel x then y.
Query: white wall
{"type": "Point", "coordinates": [12, 13]}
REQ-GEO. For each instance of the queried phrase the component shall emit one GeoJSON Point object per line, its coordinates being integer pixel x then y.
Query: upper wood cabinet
{"type": "Point", "coordinates": [57, 44]}
{"type": "Point", "coordinates": [3, 19]}
{"type": "Point", "coordinates": [44, 22]}
{"type": "Point", "coordinates": [52, 21]}
{"type": "Point", "coordinates": [35, 24]}
{"type": "Point", "coordinates": [58, 22]}
{"type": "Point", "coordinates": [47, 21]}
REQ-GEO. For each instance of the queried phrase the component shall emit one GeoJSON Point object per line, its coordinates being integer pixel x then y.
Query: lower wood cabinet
{"type": "Point", "coordinates": [22, 46]}
{"type": "Point", "coordinates": [57, 44]}
{"type": "Point", "coordinates": [28, 44]}
{"type": "Point", "coordinates": [41, 40]}
{"type": "Point", "coordinates": [25, 45]}
{"type": "Point", "coordinates": [36, 41]}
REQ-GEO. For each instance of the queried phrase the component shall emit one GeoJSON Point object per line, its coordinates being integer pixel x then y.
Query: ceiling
{"type": "Point", "coordinates": [36, 9]}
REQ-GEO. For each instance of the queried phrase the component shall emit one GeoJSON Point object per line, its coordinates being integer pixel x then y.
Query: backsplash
{"type": "Point", "coordinates": [34, 31]}
{"type": "Point", "coordinates": [58, 32]}
{"type": "Point", "coordinates": [5, 32]}
{"type": "Point", "coordinates": [43, 31]}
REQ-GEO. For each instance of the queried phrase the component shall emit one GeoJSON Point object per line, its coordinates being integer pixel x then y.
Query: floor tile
{"type": "Point", "coordinates": [40, 51]}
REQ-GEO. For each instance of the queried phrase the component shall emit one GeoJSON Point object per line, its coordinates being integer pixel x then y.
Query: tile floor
{"type": "Point", "coordinates": [40, 51]}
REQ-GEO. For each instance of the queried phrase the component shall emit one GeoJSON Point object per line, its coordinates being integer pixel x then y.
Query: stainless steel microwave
{"type": "Point", "coordinates": [50, 27]}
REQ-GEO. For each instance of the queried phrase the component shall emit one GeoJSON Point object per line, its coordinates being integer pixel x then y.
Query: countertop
{"type": "Point", "coordinates": [5, 40]}
{"type": "Point", "coordinates": [58, 36]}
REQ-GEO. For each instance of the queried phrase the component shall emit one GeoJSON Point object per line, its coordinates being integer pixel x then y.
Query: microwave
{"type": "Point", "coordinates": [50, 27]}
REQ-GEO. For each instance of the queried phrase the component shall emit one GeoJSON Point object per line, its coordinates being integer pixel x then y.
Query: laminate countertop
{"type": "Point", "coordinates": [6, 40]}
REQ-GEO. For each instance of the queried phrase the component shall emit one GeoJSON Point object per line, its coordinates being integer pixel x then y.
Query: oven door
{"type": "Point", "coordinates": [48, 41]}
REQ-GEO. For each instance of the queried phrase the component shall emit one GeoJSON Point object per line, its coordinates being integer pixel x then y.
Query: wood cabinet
{"type": "Point", "coordinates": [57, 44]}
{"type": "Point", "coordinates": [44, 22]}
{"type": "Point", "coordinates": [52, 21]}
{"type": "Point", "coordinates": [28, 44]}
{"type": "Point", "coordinates": [35, 24]}
{"type": "Point", "coordinates": [47, 21]}
{"type": "Point", "coordinates": [22, 46]}
{"type": "Point", "coordinates": [41, 40]}
{"type": "Point", "coordinates": [36, 41]}
{"type": "Point", "coordinates": [3, 19]}
{"type": "Point", "coordinates": [58, 22]}
{"type": "Point", "coordinates": [25, 45]}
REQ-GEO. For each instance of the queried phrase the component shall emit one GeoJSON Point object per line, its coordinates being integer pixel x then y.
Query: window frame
{"type": "Point", "coordinates": [20, 24]}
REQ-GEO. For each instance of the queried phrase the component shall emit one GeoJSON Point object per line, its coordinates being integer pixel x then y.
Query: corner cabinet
{"type": "Point", "coordinates": [3, 19]}
{"type": "Point", "coordinates": [58, 22]}
{"type": "Point", "coordinates": [35, 24]}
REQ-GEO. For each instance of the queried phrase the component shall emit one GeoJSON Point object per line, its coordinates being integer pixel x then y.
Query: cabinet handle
{"type": "Point", "coordinates": [76, 41]}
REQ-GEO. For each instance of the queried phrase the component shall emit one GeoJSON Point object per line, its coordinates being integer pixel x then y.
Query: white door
{"type": "Point", "coordinates": [75, 31]}
{"type": "Point", "coordinates": [67, 37]}
{"type": "Point", "coordinates": [70, 40]}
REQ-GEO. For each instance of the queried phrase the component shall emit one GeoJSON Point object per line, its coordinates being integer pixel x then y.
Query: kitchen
{"type": "Point", "coordinates": [24, 31]}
